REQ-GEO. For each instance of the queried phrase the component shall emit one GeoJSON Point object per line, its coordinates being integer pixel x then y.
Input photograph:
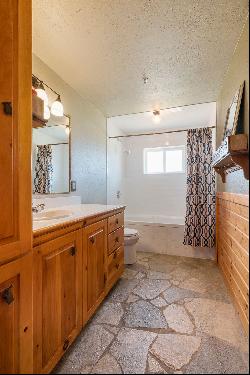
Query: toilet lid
{"type": "Point", "coordinates": [128, 232]}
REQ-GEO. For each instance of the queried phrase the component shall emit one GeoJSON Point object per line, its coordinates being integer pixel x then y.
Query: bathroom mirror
{"type": "Point", "coordinates": [51, 157]}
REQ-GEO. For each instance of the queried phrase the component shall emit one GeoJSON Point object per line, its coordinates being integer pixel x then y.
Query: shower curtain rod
{"type": "Point", "coordinates": [155, 133]}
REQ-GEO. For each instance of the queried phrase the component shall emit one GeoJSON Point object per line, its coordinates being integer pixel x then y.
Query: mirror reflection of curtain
{"type": "Point", "coordinates": [43, 170]}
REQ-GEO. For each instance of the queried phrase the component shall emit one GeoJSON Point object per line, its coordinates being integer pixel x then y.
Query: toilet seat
{"type": "Point", "coordinates": [128, 232]}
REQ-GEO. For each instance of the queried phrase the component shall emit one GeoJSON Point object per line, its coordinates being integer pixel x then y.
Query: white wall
{"type": "Point", "coordinates": [88, 136]}
{"type": "Point", "coordinates": [153, 198]}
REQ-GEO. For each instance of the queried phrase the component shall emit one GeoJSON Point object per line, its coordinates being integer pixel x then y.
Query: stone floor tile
{"type": "Point", "coordinates": [132, 298]}
{"type": "Point", "coordinates": [178, 319]}
{"type": "Point", "coordinates": [150, 289]}
{"type": "Point", "coordinates": [160, 266]}
{"type": "Point", "coordinates": [86, 351]}
{"type": "Point", "coordinates": [159, 302]}
{"type": "Point", "coordinates": [142, 314]}
{"type": "Point", "coordinates": [217, 357]}
{"type": "Point", "coordinates": [109, 313]}
{"type": "Point", "coordinates": [175, 350]}
{"type": "Point", "coordinates": [154, 367]}
{"type": "Point", "coordinates": [196, 285]}
{"type": "Point", "coordinates": [155, 275]}
{"type": "Point", "coordinates": [111, 329]}
{"type": "Point", "coordinates": [216, 318]}
{"type": "Point", "coordinates": [122, 290]}
{"type": "Point", "coordinates": [140, 275]}
{"type": "Point", "coordinates": [129, 274]}
{"type": "Point", "coordinates": [131, 349]}
{"type": "Point", "coordinates": [107, 365]}
{"type": "Point", "coordinates": [175, 294]}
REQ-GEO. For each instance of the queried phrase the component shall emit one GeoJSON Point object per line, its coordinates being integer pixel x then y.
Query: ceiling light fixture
{"type": "Point", "coordinates": [156, 116]}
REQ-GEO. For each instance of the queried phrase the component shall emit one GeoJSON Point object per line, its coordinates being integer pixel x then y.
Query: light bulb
{"type": "Point", "coordinates": [57, 107]}
{"type": "Point", "coordinates": [156, 117]}
{"type": "Point", "coordinates": [41, 93]}
{"type": "Point", "coordinates": [46, 114]}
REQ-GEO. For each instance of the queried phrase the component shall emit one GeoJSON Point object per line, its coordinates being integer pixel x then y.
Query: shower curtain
{"type": "Point", "coordinates": [200, 198]}
{"type": "Point", "coordinates": [43, 170]}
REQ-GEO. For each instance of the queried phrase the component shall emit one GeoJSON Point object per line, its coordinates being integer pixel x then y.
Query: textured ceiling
{"type": "Point", "coordinates": [103, 47]}
{"type": "Point", "coordinates": [193, 116]}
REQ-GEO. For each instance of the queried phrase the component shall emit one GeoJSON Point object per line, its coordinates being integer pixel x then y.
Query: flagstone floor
{"type": "Point", "coordinates": [166, 315]}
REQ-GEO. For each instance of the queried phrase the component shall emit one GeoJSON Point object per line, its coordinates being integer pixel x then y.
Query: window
{"type": "Point", "coordinates": [161, 160]}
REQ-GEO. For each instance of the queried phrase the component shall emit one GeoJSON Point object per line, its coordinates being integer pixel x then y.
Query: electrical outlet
{"type": "Point", "coordinates": [72, 185]}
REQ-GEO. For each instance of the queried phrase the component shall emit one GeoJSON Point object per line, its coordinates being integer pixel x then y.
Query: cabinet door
{"type": "Point", "coordinates": [95, 236]}
{"type": "Point", "coordinates": [57, 298]}
{"type": "Point", "coordinates": [16, 350]}
{"type": "Point", "coordinates": [15, 124]}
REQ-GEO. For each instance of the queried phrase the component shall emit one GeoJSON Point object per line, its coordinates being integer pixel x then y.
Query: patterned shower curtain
{"type": "Point", "coordinates": [200, 198]}
{"type": "Point", "coordinates": [43, 170]}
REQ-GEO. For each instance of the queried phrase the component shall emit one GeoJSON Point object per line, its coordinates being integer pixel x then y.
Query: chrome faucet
{"type": "Point", "coordinates": [38, 208]}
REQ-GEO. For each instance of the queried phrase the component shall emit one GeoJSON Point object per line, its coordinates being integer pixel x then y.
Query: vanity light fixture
{"type": "Point", "coordinates": [57, 107]}
{"type": "Point", "coordinates": [46, 113]}
{"type": "Point", "coordinates": [41, 93]}
{"type": "Point", "coordinates": [156, 117]}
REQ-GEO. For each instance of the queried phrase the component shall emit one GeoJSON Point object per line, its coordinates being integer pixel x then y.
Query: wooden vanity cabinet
{"type": "Point", "coordinates": [16, 317]}
{"type": "Point", "coordinates": [58, 276]}
{"type": "Point", "coordinates": [95, 247]}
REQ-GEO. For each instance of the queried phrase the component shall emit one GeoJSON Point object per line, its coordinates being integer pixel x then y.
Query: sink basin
{"type": "Point", "coordinates": [50, 215]}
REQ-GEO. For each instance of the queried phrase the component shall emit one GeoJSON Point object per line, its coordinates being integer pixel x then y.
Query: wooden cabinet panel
{"type": "Point", "coordinates": [95, 240]}
{"type": "Point", "coordinates": [115, 263]}
{"type": "Point", "coordinates": [115, 240]}
{"type": "Point", "coordinates": [15, 120]}
{"type": "Point", "coordinates": [115, 221]}
{"type": "Point", "coordinates": [16, 350]}
{"type": "Point", "coordinates": [57, 298]}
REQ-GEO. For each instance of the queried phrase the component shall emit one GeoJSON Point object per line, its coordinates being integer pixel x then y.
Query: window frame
{"type": "Point", "coordinates": [164, 149]}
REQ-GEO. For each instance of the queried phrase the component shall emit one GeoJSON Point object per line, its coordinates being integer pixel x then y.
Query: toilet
{"type": "Point", "coordinates": [131, 237]}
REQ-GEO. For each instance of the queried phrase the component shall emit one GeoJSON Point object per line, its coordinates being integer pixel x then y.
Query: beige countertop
{"type": "Point", "coordinates": [75, 213]}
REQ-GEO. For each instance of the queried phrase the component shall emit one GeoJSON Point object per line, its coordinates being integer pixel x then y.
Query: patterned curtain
{"type": "Point", "coordinates": [200, 199]}
{"type": "Point", "coordinates": [43, 170]}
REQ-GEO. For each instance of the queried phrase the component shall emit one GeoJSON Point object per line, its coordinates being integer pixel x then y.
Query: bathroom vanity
{"type": "Point", "coordinates": [78, 257]}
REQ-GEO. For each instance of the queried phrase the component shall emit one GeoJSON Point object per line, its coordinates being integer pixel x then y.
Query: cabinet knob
{"type": "Point", "coordinates": [66, 344]}
{"type": "Point", "coordinates": [115, 255]}
{"type": "Point", "coordinates": [7, 295]}
{"type": "Point", "coordinates": [117, 239]}
{"type": "Point", "coordinates": [117, 221]}
{"type": "Point", "coordinates": [117, 265]}
{"type": "Point", "coordinates": [73, 251]}
{"type": "Point", "coordinates": [7, 108]}
{"type": "Point", "coordinates": [92, 239]}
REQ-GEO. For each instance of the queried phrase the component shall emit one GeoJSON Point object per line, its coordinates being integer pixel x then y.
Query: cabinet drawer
{"type": "Point", "coordinates": [115, 262]}
{"type": "Point", "coordinates": [115, 222]}
{"type": "Point", "coordinates": [115, 240]}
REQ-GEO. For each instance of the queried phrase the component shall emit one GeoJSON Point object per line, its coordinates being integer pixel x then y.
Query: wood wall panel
{"type": "Point", "coordinates": [232, 234]}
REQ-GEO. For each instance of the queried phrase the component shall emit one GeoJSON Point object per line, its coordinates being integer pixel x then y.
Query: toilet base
{"type": "Point", "coordinates": [129, 254]}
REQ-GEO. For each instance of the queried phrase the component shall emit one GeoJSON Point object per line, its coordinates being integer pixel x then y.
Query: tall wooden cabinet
{"type": "Point", "coordinates": [15, 187]}
{"type": "Point", "coordinates": [15, 120]}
